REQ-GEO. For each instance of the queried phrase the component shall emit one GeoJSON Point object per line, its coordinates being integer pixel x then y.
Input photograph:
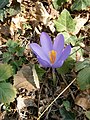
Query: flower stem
{"type": "Point", "coordinates": [54, 76]}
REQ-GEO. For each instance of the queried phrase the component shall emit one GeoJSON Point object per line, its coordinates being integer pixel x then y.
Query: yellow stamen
{"type": "Point", "coordinates": [52, 56]}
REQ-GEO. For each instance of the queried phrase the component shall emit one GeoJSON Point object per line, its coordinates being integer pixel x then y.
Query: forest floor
{"type": "Point", "coordinates": [37, 97]}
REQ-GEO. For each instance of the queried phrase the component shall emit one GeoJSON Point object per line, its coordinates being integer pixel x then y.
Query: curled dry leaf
{"type": "Point", "coordinates": [36, 79]}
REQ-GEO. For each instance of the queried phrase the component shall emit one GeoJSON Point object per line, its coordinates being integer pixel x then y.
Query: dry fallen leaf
{"type": "Point", "coordinates": [19, 1]}
{"type": "Point", "coordinates": [24, 102]}
{"type": "Point", "coordinates": [51, 26]}
{"type": "Point", "coordinates": [53, 12]}
{"type": "Point", "coordinates": [41, 13]}
{"type": "Point", "coordinates": [4, 29]}
{"type": "Point", "coordinates": [24, 78]}
{"type": "Point", "coordinates": [80, 23]}
{"type": "Point", "coordinates": [43, 16]}
{"type": "Point", "coordinates": [17, 23]}
{"type": "Point", "coordinates": [83, 100]}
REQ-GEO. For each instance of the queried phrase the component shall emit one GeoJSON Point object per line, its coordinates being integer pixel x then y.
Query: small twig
{"type": "Point", "coordinates": [56, 99]}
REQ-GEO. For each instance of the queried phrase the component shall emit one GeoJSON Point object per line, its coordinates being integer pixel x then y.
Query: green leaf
{"type": "Point", "coordinates": [12, 46]}
{"type": "Point", "coordinates": [3, 3]}
{"type": "Point", "coordinates": [87, 113]}
{"type": "Point", "coordinates": [9, 11]}
{"type": "Point", "coordinates": [74, 50]}
{"type": "Point", "coordinates": [67, 66]}
{"type": "Point", "coordinates": [1, 15]}
{"type": "Point", "coordinates": [40, 71]}
{"type": "Point", "coordinates": [14, 66]}
{"type": "Point", "coordinates": [67, 115]}
{"type": "Point", "coordinates": [6, 71]}
{"type": "Point", "coordinates": [82, 64]}
{"type": "Point", "coordinates": [17, 63]}
{"type": "Point", "coordinates": [67, 105]}
{"type": "Point", "coordinates": [65, 22]}
{"type": "Point", "coordinates": [14, 10]}
{"type": "Point", "coordinates": [7, 92]}
{"type": "Point", "coordinates": [20, 51]}
{"type": "Point", "coordinates": [83, 78]}
{"type": "Point", "coordinates": [6, 57]}
{"type": "Point", "coordinates": [80, 5]}
{"type": "Point", "coordinates": [69, 38]}
{"type": "Point", "coordinates": [72, 39]}
{"type": "Point", "coordinates": [58, 3]}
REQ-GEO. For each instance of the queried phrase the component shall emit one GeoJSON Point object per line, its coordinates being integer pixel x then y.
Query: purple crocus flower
{"type": "Point", "coordinates": [48, 54]}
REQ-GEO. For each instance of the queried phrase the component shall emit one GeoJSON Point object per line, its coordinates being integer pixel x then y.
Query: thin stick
{"type": "Point", "coordinates": [56, 99]}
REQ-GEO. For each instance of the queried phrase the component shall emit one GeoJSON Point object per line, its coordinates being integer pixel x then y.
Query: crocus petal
{"type": "Point", "coordinates": [38, 51]}
{"type": "Point", "coordinates": [66, 53]}
{"type": "Point", "coordinates": [58, 64]}
{"type": "Point", "coordinates": [46, 42]}
{"type": "Point", "coordinates": [63, 57]}
{"type": "Point", "coordinates": [43, 62]}
{"type": "Point", "coordinates": [58, 43]}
